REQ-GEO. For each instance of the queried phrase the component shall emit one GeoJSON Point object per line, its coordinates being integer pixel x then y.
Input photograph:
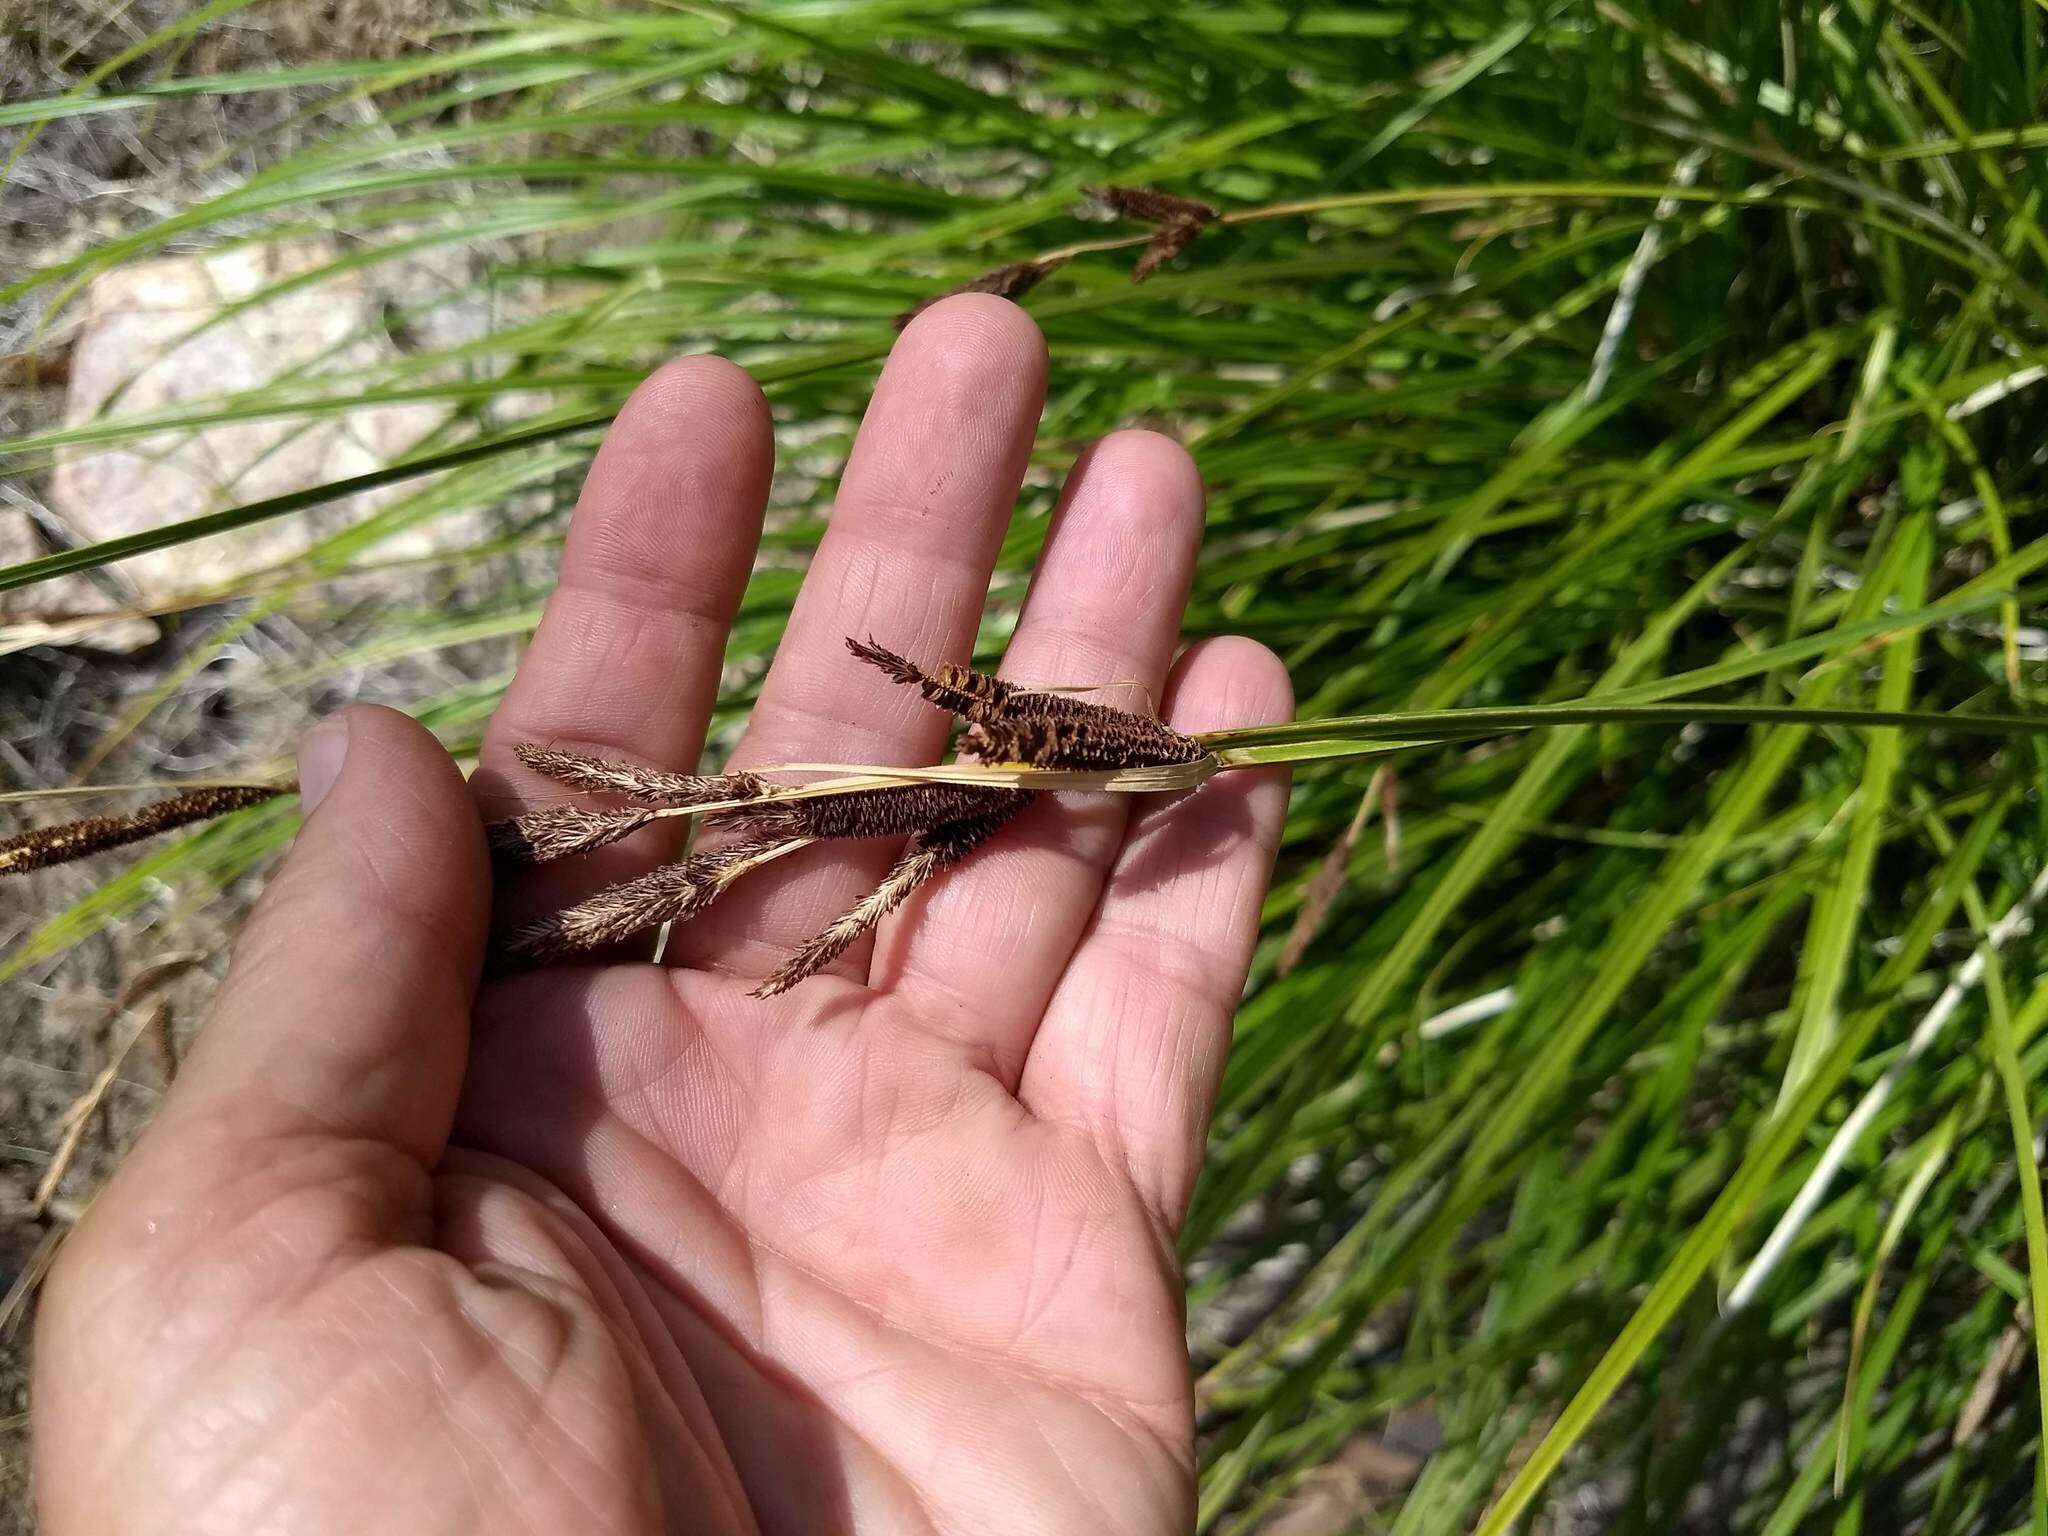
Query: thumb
{"type": "Point", "coordinates": [346, 1009]}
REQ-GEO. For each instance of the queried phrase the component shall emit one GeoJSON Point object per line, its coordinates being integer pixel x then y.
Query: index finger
{"type": "Point", "coordinates": [626, 660]}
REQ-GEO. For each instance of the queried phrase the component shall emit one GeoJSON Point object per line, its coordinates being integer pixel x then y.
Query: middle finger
{"type": "Point", "coordinates": [913, 538]}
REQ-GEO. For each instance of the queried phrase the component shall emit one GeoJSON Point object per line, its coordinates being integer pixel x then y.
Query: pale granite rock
{"type": "Point", "coordinates": [143, 345]}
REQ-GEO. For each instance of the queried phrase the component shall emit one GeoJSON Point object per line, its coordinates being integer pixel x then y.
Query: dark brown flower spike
{"type": "Point", "coordinates": [1180, 220]}
{"type": "Point", "coordinates": [898, 810]}
{"type": "Point", "coordinates": [1112, 739]}
{"type": "Point", "coordinates": [1164, 246]}
{"type": "Point", "coordinates": [654, 786]}
{"type": "Point", "coordinates": [1151, 205]}
{"type": "Point", "coordinates": [1010, 281]}
{"type": "Point", "coordinates": [895, 811]}
{"type": "Point", "coordinates": [973, 696]}
{"type": "Point", "coordinates": [933, 851]}
{"type": "Point", "coordinates": [1009, 724]}
{"type": "Point", "coordinates": [96, 834]}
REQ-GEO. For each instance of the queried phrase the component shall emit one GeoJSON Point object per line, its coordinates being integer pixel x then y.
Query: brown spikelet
{"type": "Point", "coordinates": [972, 695]}
{"type": "Point", "coordinates": [668, 894]}
{"type": "Point", "coordinates": [898, 668]}
{"type": "Point", "coordinates": [1180, 220]}
{"type": "Point", "coordinates": [940, 848]}
{"type": "Point", "coordinates": [95, 834]}
{"type": "Point", "coordinates": [654, 786]}
{"type": "Point", "coordinates": [1048, 731]}
{"type": "Point", "coordinates": [559, 831]}
{"type": "Point", "coordinates": [1171, 240]}
{"type": "Point", "coordinates": [1010, 281]}
{"type": "Point", "coordinates": [1152, 205]}
{"type": "Point", "coordinates": [896, 811]}
{"type": "Point", "coordinates": [980, 693]}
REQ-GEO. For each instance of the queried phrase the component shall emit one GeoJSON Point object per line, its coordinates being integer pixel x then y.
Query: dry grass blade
{"type": "Point", "coordinates": [80, 839]}
{"type": "Point", "coordinates": [1327, 883]}
{"type": "Point", "coordinates": [2004, 1355]}
{"type": "Point", "coordinates": [1143, 779]}
{"type": "Point", "coordinates": [15, 1302]}
{"type": "Point", "coordinates": [669, 894]}
{"type": "Point", "coordinates": [156, 1023]}
{"type": "Point", "coordinates": [79, 1116]}
{"type": "Point", "coordinates": [1010, 281]}
{"type": "Point", "coordinates": [932, 852]}
{"type": "Point", "coordinates": [653, 786]}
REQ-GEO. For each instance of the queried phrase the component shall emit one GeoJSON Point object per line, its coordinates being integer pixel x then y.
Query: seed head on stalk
{"type": "Point", "coordinates": [95, 834]}
{"type": "Point", "coordinates": [945, 821]}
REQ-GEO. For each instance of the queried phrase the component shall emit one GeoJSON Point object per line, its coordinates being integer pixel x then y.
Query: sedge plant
{"type": "Point", "coordinates": [1620, 417]}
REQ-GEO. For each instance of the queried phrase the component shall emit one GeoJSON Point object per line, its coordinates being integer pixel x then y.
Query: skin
{"type": "Point", "coordinates": [619, 1247]}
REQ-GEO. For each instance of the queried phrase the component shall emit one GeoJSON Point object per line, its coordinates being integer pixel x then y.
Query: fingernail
{"type": "Point", "coordinates": [320, 758]}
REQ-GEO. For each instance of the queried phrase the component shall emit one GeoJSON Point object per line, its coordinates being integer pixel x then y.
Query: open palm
{"type": "Point", "coordinates": [623, 1247]}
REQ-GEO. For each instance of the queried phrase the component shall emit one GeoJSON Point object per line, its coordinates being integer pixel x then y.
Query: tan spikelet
{"type": "Point", "coordinates": [653, 786]}
{"type": "Point", "coordinates": [672, 893]}
{"type": "Point", "coordinates": [559, 832]}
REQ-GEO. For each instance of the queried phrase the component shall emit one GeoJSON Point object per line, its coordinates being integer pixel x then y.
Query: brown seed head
{"type": "Point", "coordinates": [1152, 205]}
{"type": "Point", "coordinates": [1009, 724]}
{"type": "Point", "coordinates": [1010, 281]}
{"type": "Point", "coordinates": [95, 834]}
{"type": "Point", "coordinates": [1171, 240]}
{"type": "Point", "coordinates": [668, 894]}
{"type": "Point", "coordinates": [961, 690]}
{"type": "Point", "coordinates": [655, 786]}
{"type": "Point", "coordinates": [559, 831]}
{"type": "Point", "coordinates": [895, 811]}
{"type": "Point", "coordinates": [932, 851]}
{"type": "Point", "coordinates": [1055, 730]}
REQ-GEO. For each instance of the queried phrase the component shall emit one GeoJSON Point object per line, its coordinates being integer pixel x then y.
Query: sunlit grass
{"type": "Point", "coordinates": [1811, 237]}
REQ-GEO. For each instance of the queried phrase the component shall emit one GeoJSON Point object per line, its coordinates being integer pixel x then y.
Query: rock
{"type": "Point", "coordinates": [158, 335]}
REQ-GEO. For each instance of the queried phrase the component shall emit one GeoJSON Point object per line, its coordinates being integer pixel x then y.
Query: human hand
{"type": "Point", "coordinates": [622, 1247]}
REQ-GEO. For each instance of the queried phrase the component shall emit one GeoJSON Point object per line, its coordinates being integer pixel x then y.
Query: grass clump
{"type": "Point", "coordinates": [1667, 376]}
